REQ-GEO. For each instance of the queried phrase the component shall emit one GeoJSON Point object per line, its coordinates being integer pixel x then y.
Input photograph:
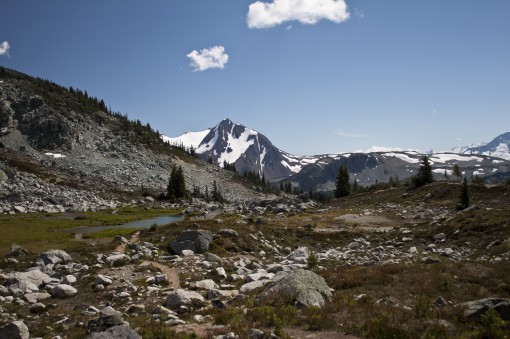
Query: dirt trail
{"type": "Point", "coordinates": [171, 273]}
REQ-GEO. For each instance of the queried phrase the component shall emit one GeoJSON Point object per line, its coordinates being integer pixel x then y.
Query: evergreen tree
{"type": "Point", "coordinates": [464, 196]}
{"type": "Point", "coordinates": [342, 182]}
{"type": "Point", "coordinates": [457, 172]}
{"type": "Point", "coordinates": [206, 193]}
{"type": "Point", "coordinates": [424, 175]}
{"type": "Point", "coordinates": [176, 188]}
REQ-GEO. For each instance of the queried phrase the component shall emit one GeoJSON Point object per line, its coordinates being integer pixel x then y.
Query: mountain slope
{"type": "Point", "coordinates": [498, 147]}
{"type": "Point", "coordinates": [68, 137]}
{"type": "Point", "coordinates": [248, 149]}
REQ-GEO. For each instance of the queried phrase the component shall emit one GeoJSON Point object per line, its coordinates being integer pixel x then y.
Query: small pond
{"type": "Point", "coordinates": [163, 220]}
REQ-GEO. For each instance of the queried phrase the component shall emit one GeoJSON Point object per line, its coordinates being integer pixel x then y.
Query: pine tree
{"type": "Point", "coordinates": [206, 193]}
{"type": "Point", "coordinates": [342, 183]}
{"type": "Point", "coordinates": [355, 185]}
{"type": "Point", "coordinates": [170, 192]}
{"type": "Point", "coordinates": [424, 175]}
{"type": "Point", "coordinates": [464, 196]}
{"type": "Point", "coordinates": [457, 172]}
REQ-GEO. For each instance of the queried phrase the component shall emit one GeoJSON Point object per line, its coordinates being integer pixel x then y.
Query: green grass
{"type": "Point", "coordinates": [38, 232]}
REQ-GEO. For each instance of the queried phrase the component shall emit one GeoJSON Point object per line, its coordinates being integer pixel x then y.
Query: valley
{"type": "Point", "coordinates": [244, 259]}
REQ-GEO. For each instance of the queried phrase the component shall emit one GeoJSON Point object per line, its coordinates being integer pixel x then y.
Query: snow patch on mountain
{"type": "Point", "coordinates": [236, 147]}
{"type": "Point", "coordinates": [188, 139]}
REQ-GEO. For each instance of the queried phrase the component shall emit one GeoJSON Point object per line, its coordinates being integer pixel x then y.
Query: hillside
{"type": "Point", "coordinates": [55, 135]}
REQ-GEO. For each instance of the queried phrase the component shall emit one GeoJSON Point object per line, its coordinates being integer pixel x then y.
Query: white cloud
{"type": "Point", "coordinates": [352, 135]}
{"type": "Point", "coordinates": [214, 57]}
{"type": "Point", "coordinates": [264, 15]}
{"type": "Point", "coordinates": [4, 48]}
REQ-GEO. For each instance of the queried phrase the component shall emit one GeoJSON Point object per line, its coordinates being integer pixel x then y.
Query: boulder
{"type": "Point", "coordinates": [117, 259]}
{"type": "Point", "coordinates": [473, 310]}
{"type": "Point", "coordinates": [229, 233]}
{"type": "Point", "coordinates": [110, 326]}
{"type": "Point", "coordinates": [63, 291]}
{"type": "Point", "coordinates": [193, 240]}
{"type": "Point", "coordinates": [36, 297]}
{"type": "Point", "coordinates": [181, 297]}
{"type": "Point", "coordinates": [303, 287]}
{"type": "Point", "coordinates": [14, 330]}
{"type": "Point", "coordinates": [54, 257]}
{"type": "Point", "coordinates": [34, 276]}
{"type": "Point", "coordinates": [17, 251]}
{"type": "Point", "coordinates": [103, 280]}
{"type": "Point", "coordinates": [301, 252]}
{"type": "Point", "coordinates": [207, 284]}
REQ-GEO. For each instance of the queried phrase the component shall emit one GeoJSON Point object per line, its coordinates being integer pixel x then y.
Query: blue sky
{"type": "Point", "coordinates": [342, 76]}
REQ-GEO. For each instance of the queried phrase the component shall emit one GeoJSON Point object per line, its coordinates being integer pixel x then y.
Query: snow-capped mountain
{"type": "Point", "coordinates": [248, 149]}
{"type": "Point", "coordinates": [498, 147]}
{"type": "Point", "coordinates": [368, 168]}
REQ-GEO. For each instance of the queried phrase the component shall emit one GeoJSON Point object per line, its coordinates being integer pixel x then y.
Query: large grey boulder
{"type": "Point", "coordinates": [35, 277]}
{"type": "Point", "coordinates": [14, 330]}
{"type": "Point", "coordinates": [302, 287]}
{"type": "Point", "coordinates": [63, 291]}
{"type": "Point", "coordinates": [116, 332]}
{"type": "Point", "coordinates": [182, 297]}
{"type": "Point", "coordinates": [193, 240]}
{"type": "Point", "coordinates": [473, 310]}
{"type": "Point", "coordinates": [54, 257]}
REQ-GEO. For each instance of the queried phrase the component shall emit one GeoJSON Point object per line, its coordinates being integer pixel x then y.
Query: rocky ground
{"type": "Point", "coordinates": [237, 274]}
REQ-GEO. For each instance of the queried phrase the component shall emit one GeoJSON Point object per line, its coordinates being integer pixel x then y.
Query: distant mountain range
{"type": "Point", "coordinates": [250, 150]}
{"type": "Point", "coordinates": [498, 147]}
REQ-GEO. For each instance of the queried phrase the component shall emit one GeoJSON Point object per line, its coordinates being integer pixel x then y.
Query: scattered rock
{"type": "Point", "coordinates": [14, 330]}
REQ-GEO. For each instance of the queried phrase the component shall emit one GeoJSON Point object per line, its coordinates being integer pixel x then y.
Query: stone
{"type": "Point", "coordinates": [213, 258]}
{"type": "Point", "coordinates": [219, 294]}
{"type": "Point", "coordinates": [255, 333]}
{"type": "Point", "coordinates": [69, 279]}
{"type": "Point", "coordinates": [37, 308]}
{"type": "Point", "coordinates": [301, 252]}
{"type": "Point", "coordinates": [34, 276]}
{"type": "Point", "coordinates": [180, 297]}
{"type": "Point", "coordinates": [473, 310]}
{"type": "Point", "coordinates": [207, 284]}
{"type": "Point", "coordinates": [14, 330]}
{"type": "Point", "coordinates": [303, 287]}
{"type": "Point", "coordinates": [413, 250]}
{"type": "Point", "coordinates": [220, 271]}
{"type": "Point", "coordinates": [248, 287]}
{"type": "Point", "coordinates": [36, 297]}
{"type": "Point", "coordinates": [353, 245]}
{"type": "Point", "coordinates": [439, 237]}
{"type": "Point", "coordinates": [229, 233]}
{"type": "Point", "coordinates": [63, 291]}
{"type": "Point", "coordinates": [55, 257]}
{"type": "Point", "coordinates": [19, 209]}
{"type": "Point", "coordinates": [17, 251]}
{"type": "Point", "coordinates": [116, 332]}
{"type": "Point", "coordinates": [117, 259]}
{"type": "Point", "coordinates": [193, 240]}
{"type": "Point", "coordinates": [103, 280]}
{"type": "Point", "coordinates": [187, 253]}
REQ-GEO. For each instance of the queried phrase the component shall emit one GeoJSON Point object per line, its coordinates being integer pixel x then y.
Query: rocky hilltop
{"type": "Point", "coordinates": [56, 142]}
